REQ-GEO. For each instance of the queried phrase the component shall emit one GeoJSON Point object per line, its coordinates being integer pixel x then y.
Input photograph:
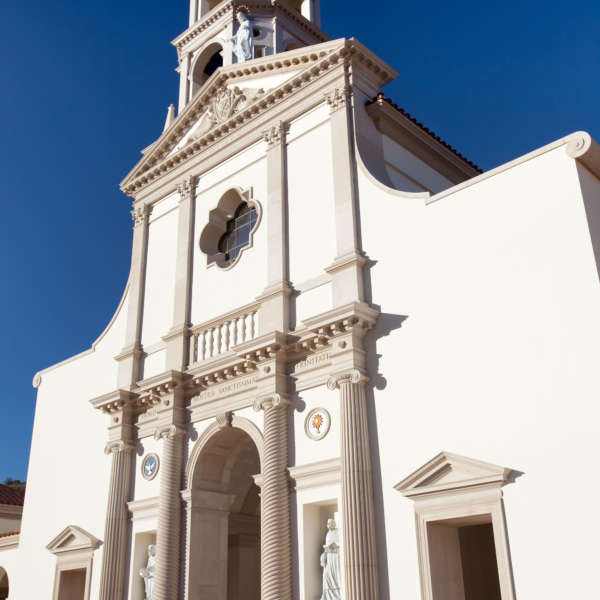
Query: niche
{"type": "Point", "coordinates": [315, 528]}
{"type": "Point", "coordinates": [462, 559]}
{"type": "Point", "coordinates": [141, 541]}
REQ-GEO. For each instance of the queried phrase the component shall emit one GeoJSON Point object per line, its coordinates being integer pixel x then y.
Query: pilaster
{"type": "Point", "coordinates": [184, 82]}
{"type": "Point", "coordinates": [177, 338]}
{"type": "Point", "coordinates": [347, 268]}
{"type": "Point", "coordinates": [130, 358]}
{"type": "Point", "coordinates": [275, 310]}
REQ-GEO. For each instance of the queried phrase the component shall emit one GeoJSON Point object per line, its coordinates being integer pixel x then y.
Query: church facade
{"type": "Point", "coordinates": [347, 364]}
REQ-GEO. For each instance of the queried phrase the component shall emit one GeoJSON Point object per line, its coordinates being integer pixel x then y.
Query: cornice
{"type": "Point", "coordinates": [318, 60]}
{"type": "Point", "coordinates": [9, 541]}
{"type": "Point", "coordinates": [114, 401]}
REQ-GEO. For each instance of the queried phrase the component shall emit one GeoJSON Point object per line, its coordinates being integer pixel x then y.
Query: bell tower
{"type": "Point", "coordinates": [212, 38]}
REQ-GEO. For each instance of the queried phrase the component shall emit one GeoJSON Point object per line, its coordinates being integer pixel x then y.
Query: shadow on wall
{"type": "Point", "coordinates": [590, 189]}
{"type": "Point", "coordinates": [386, 324]}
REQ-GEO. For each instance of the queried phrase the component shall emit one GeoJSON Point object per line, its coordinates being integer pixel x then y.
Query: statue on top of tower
{"type": "Point", "coordinates": [243, 40]}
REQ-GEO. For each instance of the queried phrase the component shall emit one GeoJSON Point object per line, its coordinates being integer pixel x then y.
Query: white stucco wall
{"type": "Point", "coordinates": [69, 474]}
{"type": "Point", "coordinates": [487, 347]}
{"type": "Point", "coordinates": [216, 291]}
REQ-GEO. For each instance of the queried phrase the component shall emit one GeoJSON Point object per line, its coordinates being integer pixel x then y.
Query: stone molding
{"type": "Point", "coordinates": [146, 508]}
{"type": "Point", "coordinates": [317, 474]}
{"type": "Point", "coordinates": [8, 542]}
{"type": "Point", "coordinates": [323, 57]}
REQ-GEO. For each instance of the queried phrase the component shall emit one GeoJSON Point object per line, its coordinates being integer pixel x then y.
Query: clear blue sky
{"type": "Point", "coordinates": [86, 86]}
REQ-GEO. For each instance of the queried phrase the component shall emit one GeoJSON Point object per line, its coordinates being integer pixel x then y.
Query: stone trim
{"type": "Point", "coordinates": [450, 486]}
{"type": "Point", "coordinates": [317, 474]}
{"type": "Point", "coordinates": [74, 549]}
{"type": "Point", "coordinates": [146, 508]}
{"type": "Point", "coordinates": [9, 542]}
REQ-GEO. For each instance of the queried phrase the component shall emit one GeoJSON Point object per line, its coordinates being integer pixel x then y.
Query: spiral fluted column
{"type": "Point", "coordinates": [114, 558]}
{"type": "Point", "coordinates": [276, 544]}
{"type": "Point", "coordinates": [168, 536]}
{"type": "Point", "coordinates": [358, 516]}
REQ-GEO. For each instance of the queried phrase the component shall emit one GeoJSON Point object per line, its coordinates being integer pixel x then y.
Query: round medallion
{"type": "Point", "coordinates": [317, 424]}
{"type": "Point", "coordinates": [150, 465]}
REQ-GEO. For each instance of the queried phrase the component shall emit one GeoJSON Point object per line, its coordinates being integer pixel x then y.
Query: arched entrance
{"type": "Point", "coordinates": [205, 64]}
{"type": "Point", "coordinates": [3, 584]}
{"type": "Point", "coordinates": [224, 517]}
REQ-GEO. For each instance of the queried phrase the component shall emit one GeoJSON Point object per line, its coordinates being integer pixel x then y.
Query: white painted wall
{"type": "Point", "coordinates": [496, 359]}
{"type": "Point", "coordinates": [216, 291]}
{"type": "Point", "coordinates": [68, 476]}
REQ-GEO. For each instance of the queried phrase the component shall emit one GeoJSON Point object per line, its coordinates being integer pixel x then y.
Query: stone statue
{"type": "Point", "coordinates": [147, 573]}
{"type": "Point", "coordinates": [243, 40]}
{"type": "Point", "coordinates": [330, 561]}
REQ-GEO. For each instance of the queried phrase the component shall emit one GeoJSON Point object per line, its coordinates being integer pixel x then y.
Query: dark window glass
{"type": "Point", "coordinates": [238, 231]}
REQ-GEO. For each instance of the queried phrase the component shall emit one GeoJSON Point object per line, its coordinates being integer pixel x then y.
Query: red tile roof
{"type": "Point", "coordinates": [9, 495]}
{"type": "Point", "coordinates": [380, 98]}
{"type": "Point", "coordinates": [9, 534]}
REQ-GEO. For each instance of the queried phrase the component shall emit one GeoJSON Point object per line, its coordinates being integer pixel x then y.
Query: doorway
{"type": "Point", "coordinates": [224, 519]}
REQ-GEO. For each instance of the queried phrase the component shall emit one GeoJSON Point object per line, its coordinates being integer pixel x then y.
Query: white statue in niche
{"type": "Point", "coordinates": [243, 40]}
{"type": "Point", "coordinates": [330, 561]}
{"type": "Point", "coordinates": [147, 572]}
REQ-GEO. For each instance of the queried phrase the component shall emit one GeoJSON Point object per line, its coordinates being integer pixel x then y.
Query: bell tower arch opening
{"type": "Point", "coordinates": [224, 517]}
{"type": "Point", "coordinates": [204, 65]}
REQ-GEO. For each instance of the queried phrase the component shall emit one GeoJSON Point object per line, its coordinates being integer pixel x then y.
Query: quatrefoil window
{"type": "Point", "coordinates": [230, 229]}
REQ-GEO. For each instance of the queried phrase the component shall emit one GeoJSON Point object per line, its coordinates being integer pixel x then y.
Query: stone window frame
{"type": "Point", "coordinates": [216, 227]}
{"type": "Point", "coordinates": [74, 549]}
{"type": "Point", "coordinates": [451, 487]}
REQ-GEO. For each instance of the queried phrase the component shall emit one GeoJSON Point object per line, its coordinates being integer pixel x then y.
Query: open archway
{"type": "Point", "coordinates": [205, 64]}
{"type": "Point", "coordinates": [224, 516]}
{"type": "Point", "coordinates": [4, 587]}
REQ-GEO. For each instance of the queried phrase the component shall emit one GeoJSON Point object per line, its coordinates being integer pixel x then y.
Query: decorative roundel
{"type": "Point", "coordinates": [150, 466]}
{"type": "Point", "coordinates": [317, 424]}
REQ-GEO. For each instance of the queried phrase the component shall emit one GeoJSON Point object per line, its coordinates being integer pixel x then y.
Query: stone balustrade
{"type": "Point", "coordinates": [220, 335]}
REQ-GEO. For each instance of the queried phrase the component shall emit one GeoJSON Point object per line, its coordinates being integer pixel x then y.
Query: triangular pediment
{"type": "Point", "coordinates": [236, 95]}
{"type": "Point", "coordinates": [448, 471]}
{"type": "Point", "coordinates": [73, 538]}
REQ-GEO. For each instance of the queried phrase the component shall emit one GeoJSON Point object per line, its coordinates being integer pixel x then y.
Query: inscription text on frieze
{"type": "Point", "coordinates": [227, 389]}
{"type": "Point", "coordinates": [312, 362]}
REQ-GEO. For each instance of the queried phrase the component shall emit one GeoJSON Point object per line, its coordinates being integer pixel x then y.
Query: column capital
{"type": "Point", "coordinates": [338, 98]}
{"type": "Point", "coordinates": [170, 432]}
{"type": "Point", "coordinates": [275, 134]}
{"type": "Point", "coordinates": [271, 401]}
{"type": "Point", "coordinates": [140, 214]}
{"type": "Point", "coordinates": [349, 376]}
{"type": "Point", "coordinates": [115, 446]}
{"type": "Point", "coordinates": [187, 187]}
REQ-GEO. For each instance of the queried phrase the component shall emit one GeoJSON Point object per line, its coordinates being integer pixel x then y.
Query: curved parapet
{"type": "Point", "coordinates": [582, 147]}
{"type": "Point", "coordinates": [37, 378]}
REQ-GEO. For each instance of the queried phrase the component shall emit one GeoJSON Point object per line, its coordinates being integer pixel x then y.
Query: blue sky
{"type": "Point", "coordinates": [86, 86]}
